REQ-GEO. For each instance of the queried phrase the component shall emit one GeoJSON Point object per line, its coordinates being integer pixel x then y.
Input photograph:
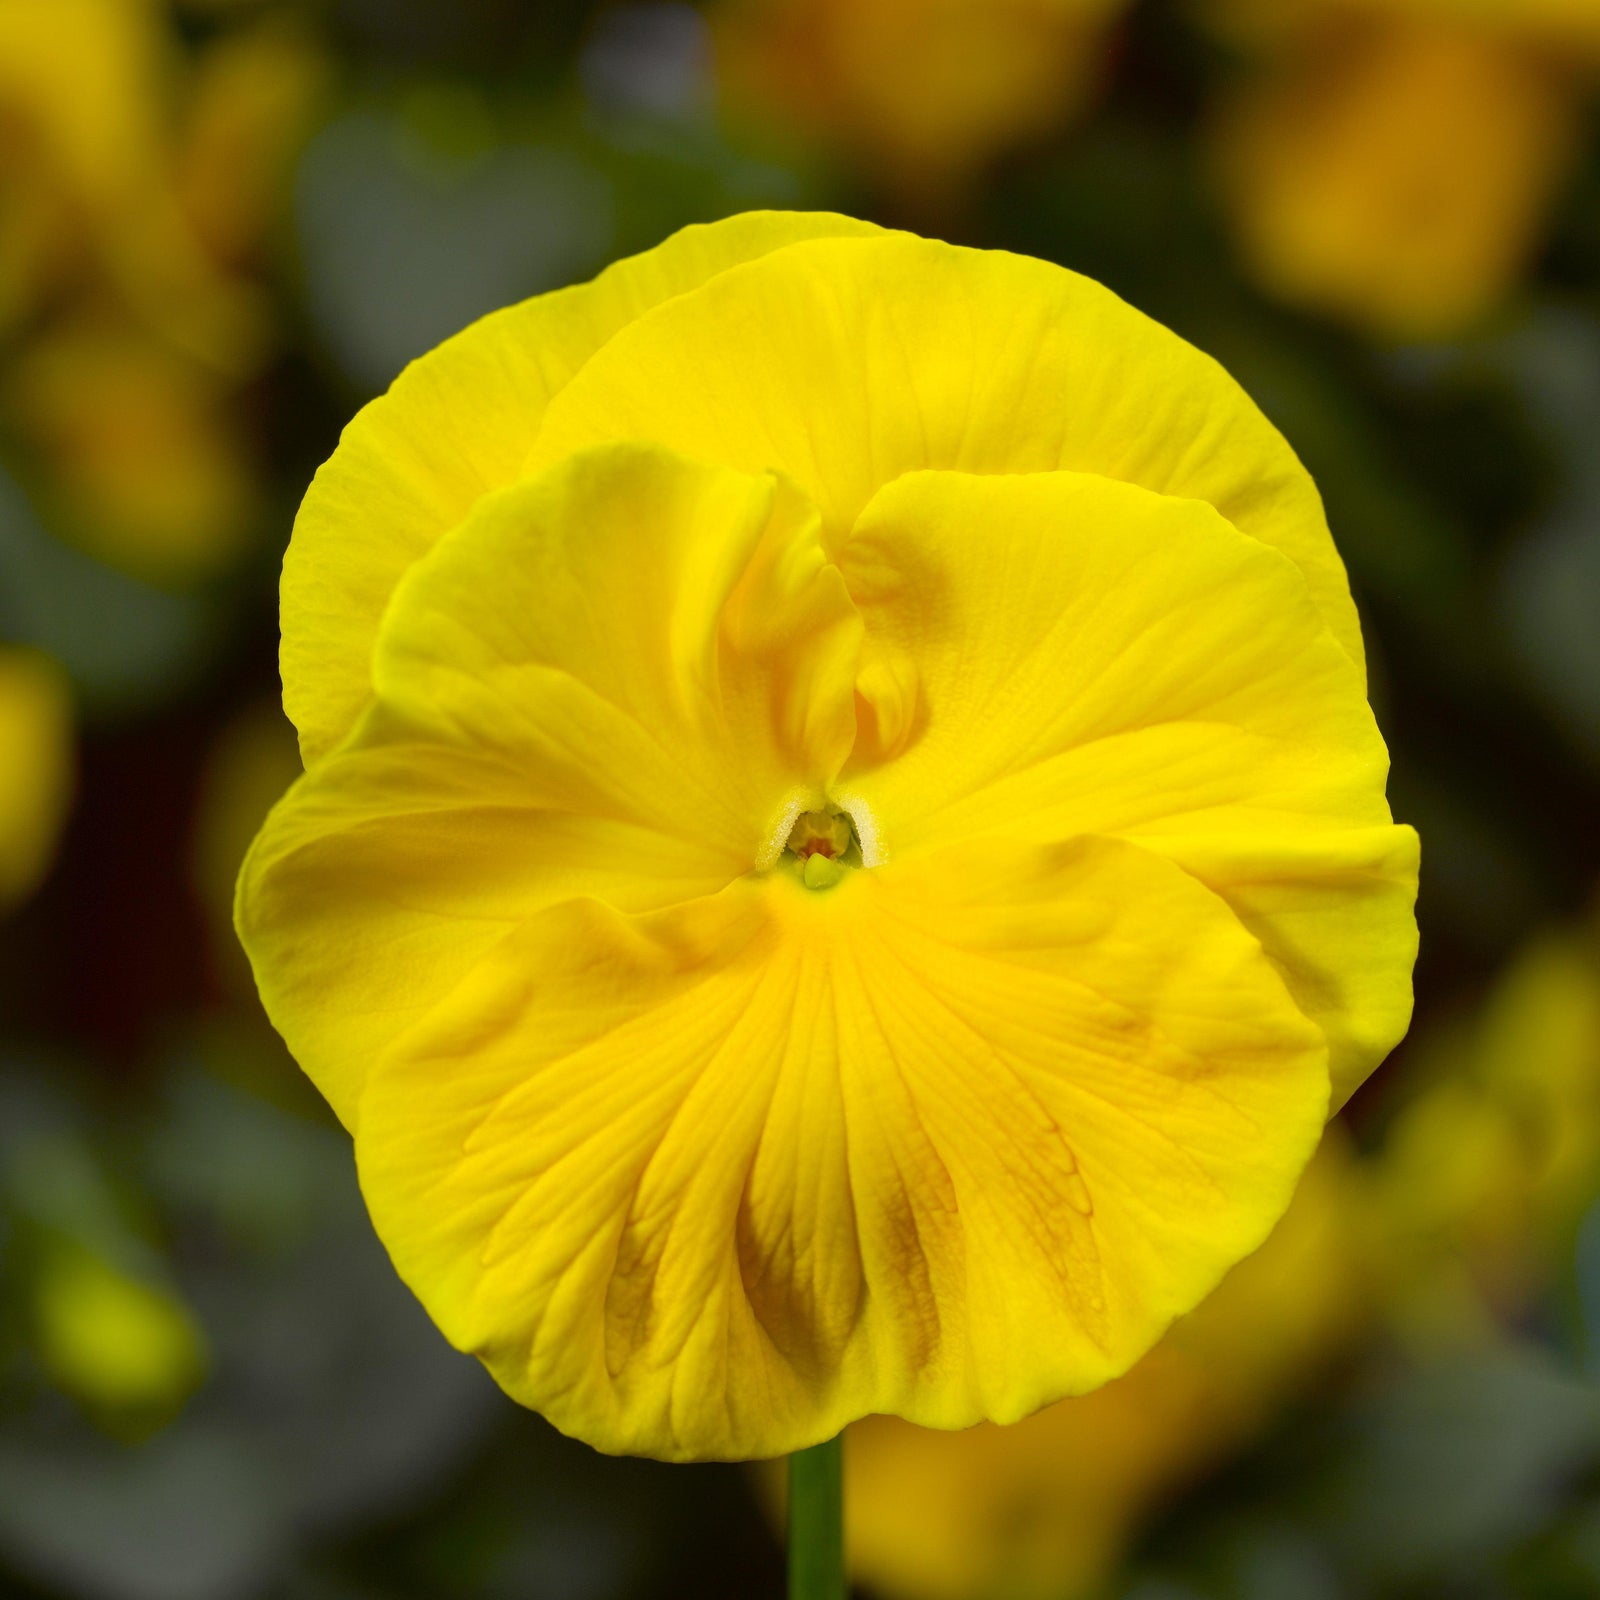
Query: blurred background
{"type": "Point", "coordinates": [224, 224]}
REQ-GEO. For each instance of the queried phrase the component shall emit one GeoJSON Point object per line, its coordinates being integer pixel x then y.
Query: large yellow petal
{"type": "Point", "coordinates": [1046, 1509]}
{"type": "Point", "coordinates": [456, 425]}
{"type": "Point", "coordinates": [952, 1139]}
{"type": "Point", "coordinates": [617, 680]}
{"type": "Point", "coordinates": [1057, 654]}
{"type": "Point", "coordinates": [847, 362]}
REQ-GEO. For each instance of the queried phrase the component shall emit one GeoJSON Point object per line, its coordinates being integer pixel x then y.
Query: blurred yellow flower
{"type": "Point", "coordinates": [1488, 1172]}
{"type": "Point", "coordinates": [1447, 1230]}
{"type": "Point", "coordinates": [86, 88]}
{"type": "Point", "coordinates": [842, 844]}
{"type": "Point", "coordinates": [251, 764]}
{"type": "Point", "coordinates": [1573, 25]}
{"type": "Point", "coordinates": [1045, 1509]}
{"type": "Point", "coordinates": [1391, 164]}
{"type": "Point", "coordinates": [113, 1340]}
{"type": "Point", "coordinates": [254, 94]}
{"type": "Point", "coordinates": [924, 93]}
{"type": "Point", "coordinates": [139, 178]}
{"type": "Point", "coordinates": [144, 466]}
{"type": "Point", "coordinates": [1463, 1212]}
{"type": "Point", "coordinates": [36, 767]}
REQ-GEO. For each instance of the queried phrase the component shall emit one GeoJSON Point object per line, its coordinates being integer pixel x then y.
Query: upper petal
{"type": "Point", "coordinates": [455, 425]}
{"type": "Point", "coordinates": [1058, 654]}
{"type": "Point", "coordinates": [951, 1140]}
{"type": "Point", "coordinates": [847, 362]}
{"type": "Point", "coordinates": [613, 680]}
{"type": "Point", "coordinates": [631, 598]}
{"type": "Point", "coordinates": [1025, 618]}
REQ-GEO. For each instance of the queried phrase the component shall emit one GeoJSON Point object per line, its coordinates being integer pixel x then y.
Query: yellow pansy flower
{"type": "Point", "coordinates": [611, 623]}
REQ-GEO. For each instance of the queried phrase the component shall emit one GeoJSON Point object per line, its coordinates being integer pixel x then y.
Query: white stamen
{"type": "Point", "coordinates": [867, 835]}
{"type": "Point", "coordinates": [778, 837]}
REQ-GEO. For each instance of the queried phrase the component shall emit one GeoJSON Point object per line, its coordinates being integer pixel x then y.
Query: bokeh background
{"type": "Point", "coordinates": [224, 224]}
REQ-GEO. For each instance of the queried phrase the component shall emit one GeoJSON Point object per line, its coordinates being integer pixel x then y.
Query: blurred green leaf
{"type": "Point", "coordinates": [125, 643]}
{"type": "Point", "coordinates": [416, 220]}
{"type": "Point", "coordinates": [191, 1515]}
{"type": "Point", "coordinates": [1445, 1467]}
{"type": "Point", "coordinates": [1550, 586]}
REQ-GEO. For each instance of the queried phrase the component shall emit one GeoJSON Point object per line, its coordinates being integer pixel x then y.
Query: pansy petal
{"type": "Point", "coordinates": [713, 1181]}
{"type": "Point", "coordinates": [1057, 654]}
{"type": "Point", "coordinates": [456, 425]}
{"type": "Point", "coordinates": [1275, 827]}
{"type": "Point", "coordinates": [1119, 1011]}
{"type": "Point", "coordinates": [1029, 616]}
{"type": "Point", "coordinates": [393, 866]}
{"type": "Point", "coordinates": [847, 362]}
{"type": "Point", "coordinates": [1336, 913]}
{"type": "Point", "coordinates": [615, 680]}
{"type": "Point", "coordinates": [650, 636]}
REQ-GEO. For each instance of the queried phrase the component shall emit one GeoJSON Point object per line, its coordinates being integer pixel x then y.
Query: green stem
{"type": "Point", "coordinates": [816, 1522]}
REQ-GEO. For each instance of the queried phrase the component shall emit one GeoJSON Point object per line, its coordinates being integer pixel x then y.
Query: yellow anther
{"type": "Point", "coordinates": [819, 833]}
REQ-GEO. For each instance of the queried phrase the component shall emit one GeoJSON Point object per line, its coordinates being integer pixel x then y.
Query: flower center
{"type": "Point", "coordinates": [825, 842]}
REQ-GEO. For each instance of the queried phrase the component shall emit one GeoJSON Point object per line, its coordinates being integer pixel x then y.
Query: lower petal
{"type": "Point", "coordinates": [952, 1139]}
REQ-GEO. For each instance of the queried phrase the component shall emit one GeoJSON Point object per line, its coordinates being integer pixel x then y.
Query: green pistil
{"type": "Point", "coordinates": [822, 872]}
{"type": "Point", "coordinates": [825, 843]}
